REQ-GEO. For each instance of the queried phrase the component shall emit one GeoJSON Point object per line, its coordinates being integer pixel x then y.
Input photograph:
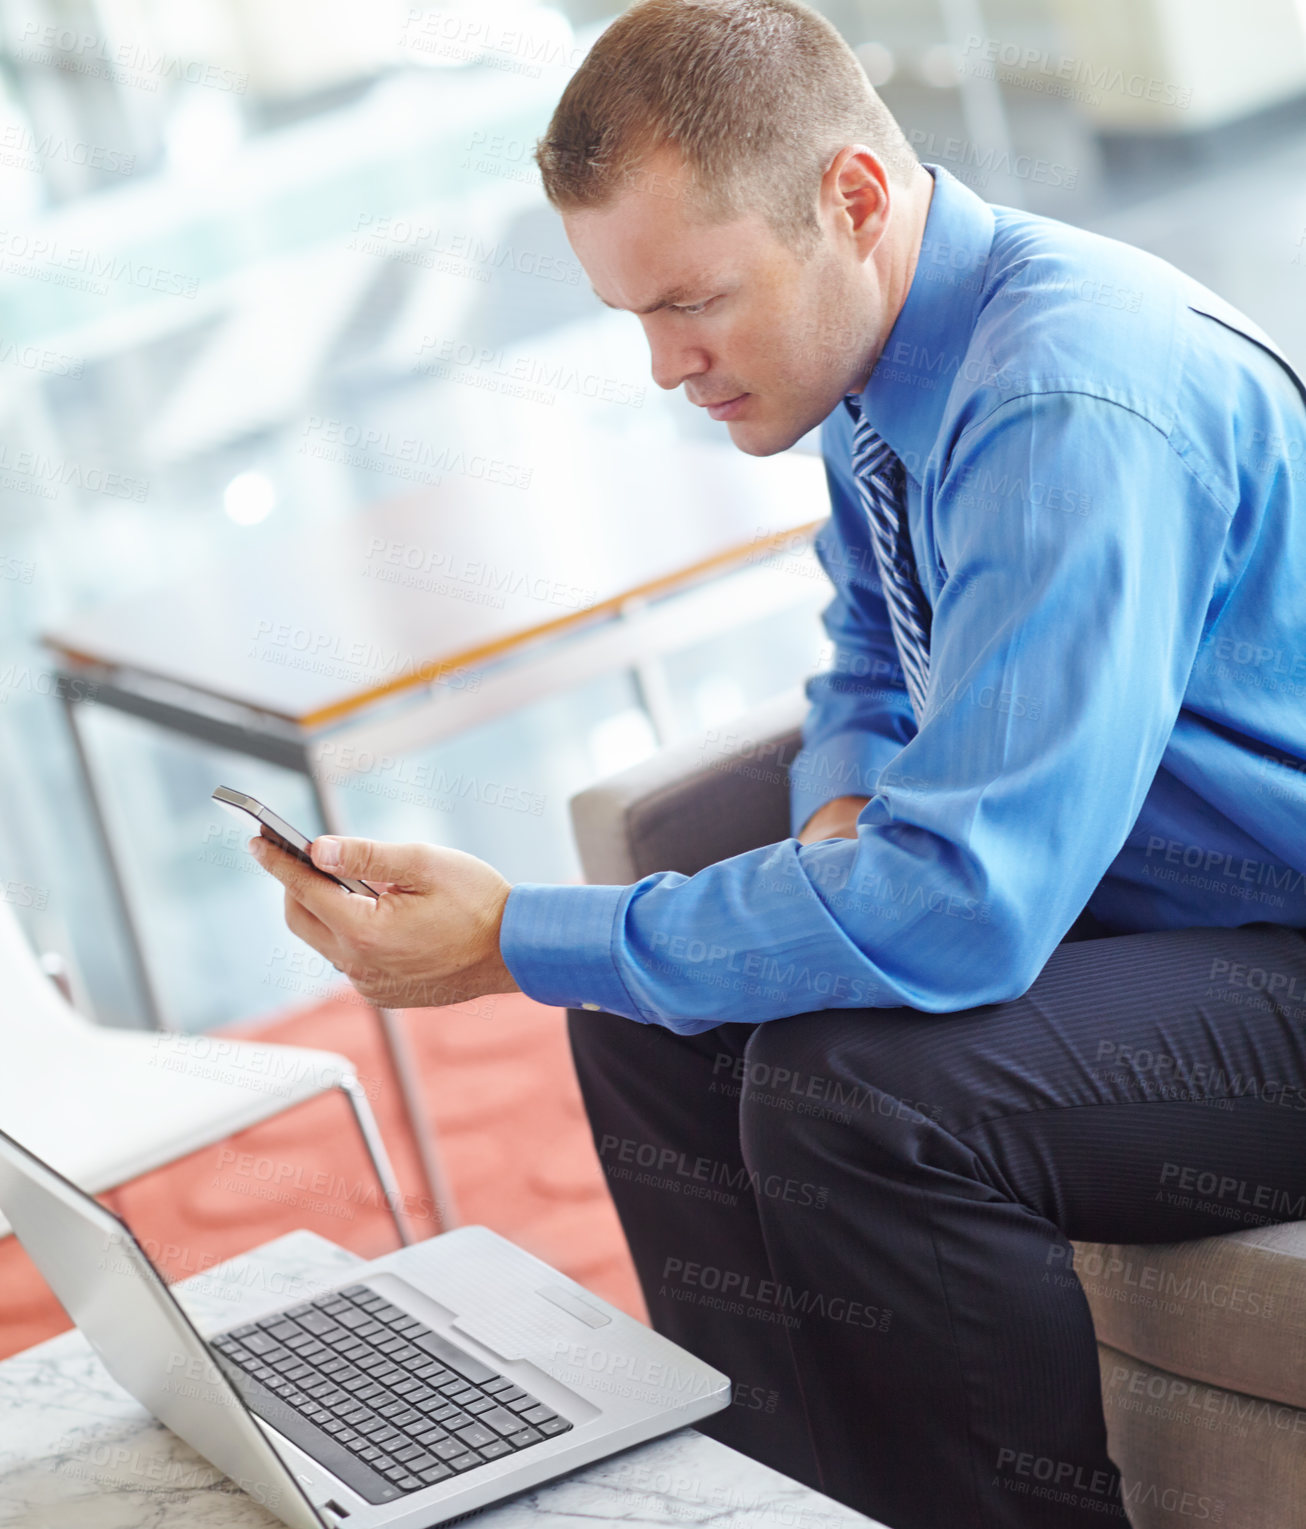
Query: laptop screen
{"type": "Point", "coordinates": [111, 1290]}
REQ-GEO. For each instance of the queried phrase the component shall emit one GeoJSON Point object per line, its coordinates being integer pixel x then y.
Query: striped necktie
{"type": "Point", "coordinates": [882, 484]}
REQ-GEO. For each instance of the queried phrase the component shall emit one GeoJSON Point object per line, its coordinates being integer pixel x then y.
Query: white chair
{"type": "Point", "coordinates": [105, 1106]}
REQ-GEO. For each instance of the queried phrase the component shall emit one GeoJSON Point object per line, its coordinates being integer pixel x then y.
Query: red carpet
{"type": "Point", "coordinates": [508, 1121]}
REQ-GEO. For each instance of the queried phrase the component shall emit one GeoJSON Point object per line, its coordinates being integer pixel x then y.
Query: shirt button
{"type": "Point", "coordinates": [589, 1006]}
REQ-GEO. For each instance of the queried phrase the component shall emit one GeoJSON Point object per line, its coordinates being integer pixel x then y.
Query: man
{"type": "Point", "coordinates": [1051, 790]}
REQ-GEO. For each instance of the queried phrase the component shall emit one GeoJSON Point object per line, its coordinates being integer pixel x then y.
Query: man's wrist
{"type": "Point", "coordinates": [833, 819]}
{"type": "Point", "coordinates": [493, 964]}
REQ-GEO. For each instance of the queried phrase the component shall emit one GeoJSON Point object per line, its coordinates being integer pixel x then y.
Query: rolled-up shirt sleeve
{"type": "Point", "coordinates": [1060, 648]}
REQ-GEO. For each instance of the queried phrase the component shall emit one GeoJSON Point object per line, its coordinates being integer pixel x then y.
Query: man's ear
{"type": "Point", "coordinates": [857, 187]}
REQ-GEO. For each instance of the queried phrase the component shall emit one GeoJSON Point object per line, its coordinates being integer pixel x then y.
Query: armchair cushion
{"type": "Point", "coordinates": [1188, 1452]}
{"type": "Point", "coordinates": [1227, 1310]}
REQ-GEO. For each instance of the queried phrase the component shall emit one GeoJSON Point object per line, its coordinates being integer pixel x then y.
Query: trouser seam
{"type": "Point", "coordinates": [973, 1451]}
{"type": "Point", "coordinates": [770, 1263]}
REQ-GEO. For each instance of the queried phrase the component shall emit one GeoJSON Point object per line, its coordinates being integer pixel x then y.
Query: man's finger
{"type": "Point", "coordinates": [309, 928]}
{"type": "Point", "coordinates": [335, 907]}
{"type": "Point", "coordinates": [403, 866]}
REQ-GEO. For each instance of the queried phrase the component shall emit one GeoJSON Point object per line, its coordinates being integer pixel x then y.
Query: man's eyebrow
{"type": "Point", "coordinates": [675, 295]}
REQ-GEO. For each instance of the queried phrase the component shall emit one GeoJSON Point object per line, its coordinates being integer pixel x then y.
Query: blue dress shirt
{"type": "Point", "coordinates": [1106, 496]}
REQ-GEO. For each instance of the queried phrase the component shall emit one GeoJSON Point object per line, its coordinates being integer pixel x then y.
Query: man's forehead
{"type": "Point", "coordinates": [662, 261]}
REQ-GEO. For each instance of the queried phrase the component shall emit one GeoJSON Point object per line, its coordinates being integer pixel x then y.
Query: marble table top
{"type": "Point", "coordinates": [77, 1452]}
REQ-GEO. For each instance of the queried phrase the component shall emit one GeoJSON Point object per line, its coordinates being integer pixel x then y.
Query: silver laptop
{"type": "Point", "coordinates": [434, 1381]}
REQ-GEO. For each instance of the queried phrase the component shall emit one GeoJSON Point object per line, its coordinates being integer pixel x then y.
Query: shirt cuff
{"type": "Point", "coordinates": [557, 941]}
{"type": "Point", "coordinates": [848, 764]}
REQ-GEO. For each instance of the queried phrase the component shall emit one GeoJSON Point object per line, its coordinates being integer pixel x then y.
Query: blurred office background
{"type": "Point", "coordinates": [236, 234]}
{"type": "Point", "coordinates": [275, 273]}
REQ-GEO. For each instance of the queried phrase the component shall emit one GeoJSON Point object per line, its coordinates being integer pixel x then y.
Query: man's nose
{"type": "Point", "coordinates": [672, 361]}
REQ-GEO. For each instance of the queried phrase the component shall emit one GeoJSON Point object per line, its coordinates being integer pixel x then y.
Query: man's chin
{"type": "Point", "coordinates": [761, 438]}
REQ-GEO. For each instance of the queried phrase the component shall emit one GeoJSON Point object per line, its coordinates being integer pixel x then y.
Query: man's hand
{"type": "Point", "coordinates": [431, 938]}
{"type": "Point", "coordinates": [835, 820]}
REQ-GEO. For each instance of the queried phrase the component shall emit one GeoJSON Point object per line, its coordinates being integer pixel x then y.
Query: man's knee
{"type": "Point", "coordinates": [810, 1080]}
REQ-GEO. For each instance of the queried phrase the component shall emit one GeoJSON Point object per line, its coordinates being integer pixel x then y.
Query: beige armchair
{"type": "Point", "coordinates": [1202, 1344]}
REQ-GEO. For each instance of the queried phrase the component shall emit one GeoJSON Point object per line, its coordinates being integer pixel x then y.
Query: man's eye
{"type": "Point", "coordinates": [692, 308]}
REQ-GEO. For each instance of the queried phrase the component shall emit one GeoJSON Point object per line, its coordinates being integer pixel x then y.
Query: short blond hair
{"type": "Point", "coordinates": [757, 96]}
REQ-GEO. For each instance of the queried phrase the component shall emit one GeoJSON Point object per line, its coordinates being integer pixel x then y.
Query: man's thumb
{"type": "Point", "coordinates": [369, 860]}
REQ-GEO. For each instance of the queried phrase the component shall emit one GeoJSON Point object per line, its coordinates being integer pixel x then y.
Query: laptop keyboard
{"type": "Point", "coordinates": [377, 1397]}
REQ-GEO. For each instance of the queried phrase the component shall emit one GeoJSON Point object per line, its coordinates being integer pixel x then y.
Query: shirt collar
{"type": "Point", "coordinates": [908, 387]}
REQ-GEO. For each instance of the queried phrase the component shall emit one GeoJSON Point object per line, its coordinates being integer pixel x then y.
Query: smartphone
{"type": "Point", "coordinates": [284, 836]}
